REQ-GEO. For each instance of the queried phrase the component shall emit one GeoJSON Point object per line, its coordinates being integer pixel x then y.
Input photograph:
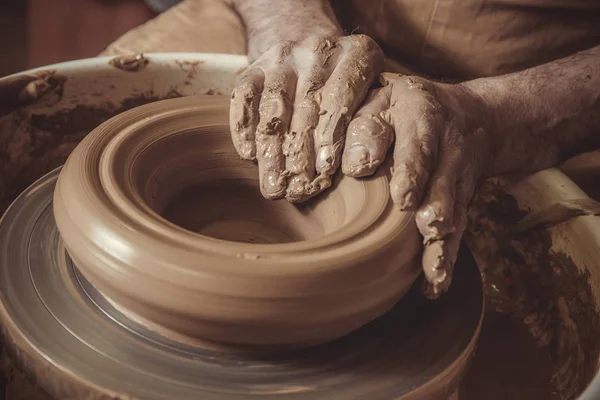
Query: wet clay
{"type": "Point", "coordinates": [130, 63]}
{"type": "Point", "coordinates": [540, 308]}
{"type": "Point", "coordinates": [318, 272]}
{"type": "Point", "coordinates": [33, 143]}
{"type": "Point", "coordinates": [298, 152]}
{"type": "Point", "coordinates": [22, 90]}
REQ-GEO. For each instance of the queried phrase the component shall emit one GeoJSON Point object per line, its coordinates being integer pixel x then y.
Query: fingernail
{"type": "Point", "coordinates": [433, 259]}
{"type": "Point", "coordinates": [358, 161]}
{"type": "Point", "coordinates": [324, 159]}
{"type": "Point", "coordinates": [296, 189]}
{"type": "Point", "coordinates": [272, 185]}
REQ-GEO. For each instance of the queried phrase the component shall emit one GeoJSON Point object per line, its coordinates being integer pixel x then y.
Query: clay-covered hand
{"type": "Point", "coordinates": [292, 106]}
{"type": "Point", "coordinates": [439, 152]}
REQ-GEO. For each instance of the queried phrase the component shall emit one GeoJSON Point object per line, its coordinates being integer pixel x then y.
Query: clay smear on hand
{"type": "Point", "coordinates": [292, 106]}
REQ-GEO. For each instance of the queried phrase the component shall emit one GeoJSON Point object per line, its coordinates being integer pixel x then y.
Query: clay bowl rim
{"type": "Point", "coordinates": [109, 177]}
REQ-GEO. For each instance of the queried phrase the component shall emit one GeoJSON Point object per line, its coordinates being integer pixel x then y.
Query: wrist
{"type": "Point", "coordinates": [262, 40]}
{"type": "Point", "coordinates": [468, 111]}
{"type": "Point", "coordinates": [503, 113]}
{"type": "Point", "coordinates": [289, 21]}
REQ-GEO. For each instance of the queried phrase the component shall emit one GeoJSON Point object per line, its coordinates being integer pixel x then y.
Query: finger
{"type": "Point", "coordinates": [357, 69]}
{"type": "Point", "coordinates": [243, 112]}
{"type": "Point", "coordinates": [275, 112]}
{"type": "Point", "coordinates": [416, 118]}
{"type": "Point", "coordinates": [298, 146]}
{"type": "Point", "coordinates": [435, 216]}
{"type": "Point", "coordinates": [439, 257]}
{"type": "Point", "coordinates": [368, 136]}
{"type": "Point", "coordinates": [415, 150]}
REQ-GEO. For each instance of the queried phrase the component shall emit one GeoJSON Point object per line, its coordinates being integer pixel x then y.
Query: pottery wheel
{"type": "Point", "coordinates": [77, 346]}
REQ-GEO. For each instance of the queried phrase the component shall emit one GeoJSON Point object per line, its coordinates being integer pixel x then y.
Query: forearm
{"type": "Point", "coordinates": [543, 115]}
{"type": "Point", "coordinates": [273, 21]}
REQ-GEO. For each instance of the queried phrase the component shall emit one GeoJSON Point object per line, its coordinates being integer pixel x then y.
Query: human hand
{"type": "Point", "coordinates": [441, 150]}
{"type": "Point", "coordinates": [292, 106]}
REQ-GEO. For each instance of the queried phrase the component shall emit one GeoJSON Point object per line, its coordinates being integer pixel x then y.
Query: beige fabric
{"type": "Point", "coordinates": [456, 39]}
{"type": "Point", "coordinates": [203, 26]}
{"type": "Point", "coordinates": [462, 39]}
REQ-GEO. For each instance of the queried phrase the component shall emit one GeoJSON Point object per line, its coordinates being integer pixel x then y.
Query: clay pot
{"type": "Point", "coordinates": [159, 213]}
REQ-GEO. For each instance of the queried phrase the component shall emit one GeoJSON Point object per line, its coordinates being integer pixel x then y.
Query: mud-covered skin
{"type": "Point", "coordinates": [293, 103]}
{"type": "Point", "coordinates": [450, 136]}
{"type": "Point", "coordinates": [447, 136]}
{"type": "Point", "coordinates": [292, 106]}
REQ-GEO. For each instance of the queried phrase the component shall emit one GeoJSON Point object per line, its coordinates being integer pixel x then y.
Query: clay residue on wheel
{"type": "Point", "coordinates": [18, 384]}
{"type": "Point", "coordinates": [130, 63]}
{"type": "Point", "coordinates": [26, 89]}
{"type": "Point", "coordinates": [190, 68]}
{"type": "Point", "coordinates": [538, 289]}
{"type": "Point", "coordinates": [33, 143]}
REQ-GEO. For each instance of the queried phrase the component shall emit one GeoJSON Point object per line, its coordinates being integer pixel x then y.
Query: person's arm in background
{"type": "Point", "coordinates": [292, 106]}
{"type": "Point", "coordinates": [450, 136]}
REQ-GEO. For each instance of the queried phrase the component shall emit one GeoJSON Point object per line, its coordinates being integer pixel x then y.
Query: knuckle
{"type": "Point", "coordinates": [280, 82]}
{"type": "Point", "coordinates": [417, 92]}
{"type": "Point", "coordinates": [246, 91]}
{"type": "Point", "coordinates": [417, 85]}
{"type": "Point", "coordinates": [367, 48]}
{"type": "Point", "coordinates": [281, 51]}
{"type": "Point", "coordinates": [363, 42]}
{"type": "Point", "coordinates": [389, 78]}
{"type": "Point", "coordinates": [320, 43]}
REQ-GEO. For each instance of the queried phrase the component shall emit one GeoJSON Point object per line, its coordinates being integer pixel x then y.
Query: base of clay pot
{"type": "Point", "coordinates": [77, 345]}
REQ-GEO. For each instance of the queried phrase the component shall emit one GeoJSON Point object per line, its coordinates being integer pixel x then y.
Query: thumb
{"type": "Point", "coordinates": [368, 136]}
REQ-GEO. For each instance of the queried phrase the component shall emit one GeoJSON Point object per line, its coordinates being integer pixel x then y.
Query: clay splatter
{"type": "Point", "coordinates": [26, 89]}
{"type": "Point", "coordinates": [32, 144]}
{"type": "Point", "coordinates": [532, 289]}
{"type": "Point", "coordinates": [130, 63]}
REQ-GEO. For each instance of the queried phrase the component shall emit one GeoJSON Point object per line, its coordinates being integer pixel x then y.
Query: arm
{"type": "Point", "coordinates": [544, 115]}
